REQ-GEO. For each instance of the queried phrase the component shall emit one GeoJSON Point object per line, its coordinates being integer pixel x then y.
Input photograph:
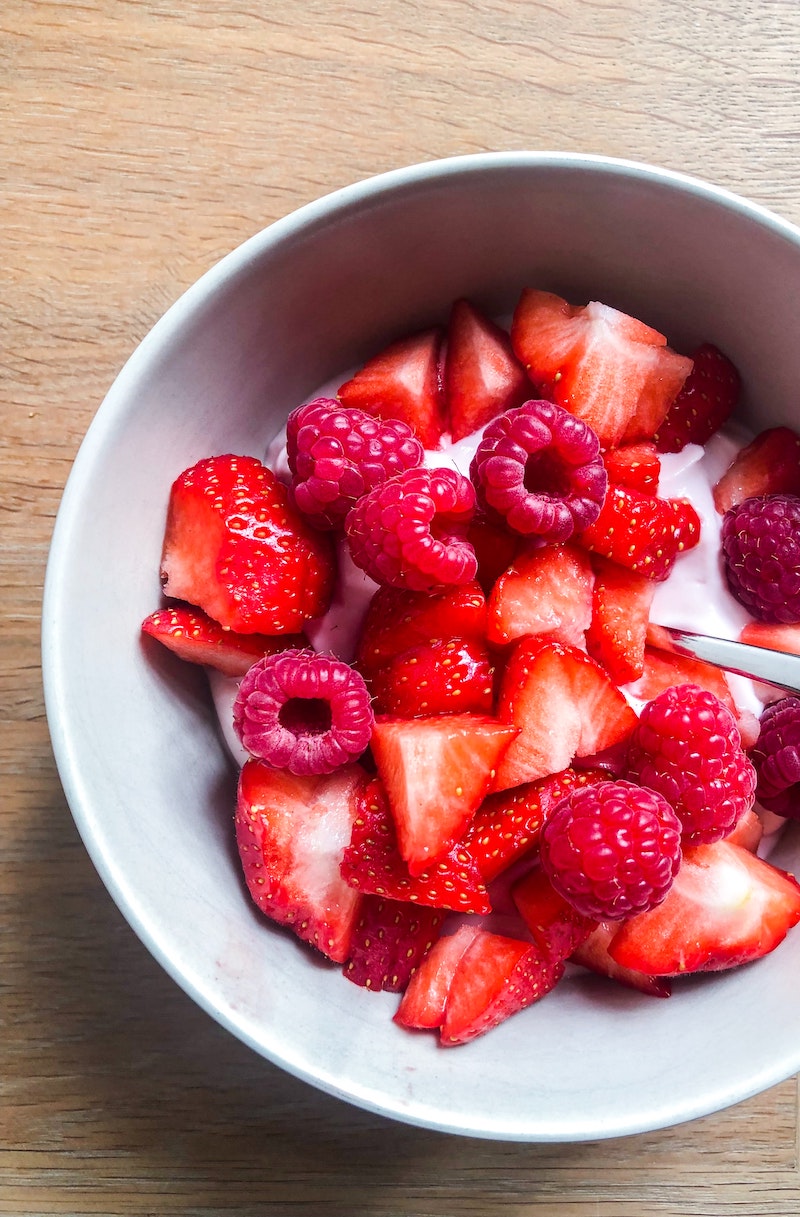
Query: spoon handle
{"type": "Point", "coordinates": [759, 663]}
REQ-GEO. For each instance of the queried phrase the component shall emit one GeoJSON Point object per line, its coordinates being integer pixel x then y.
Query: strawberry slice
{"type": "Point", "coordinates": [237, 549]}
{"type": "Point", "coordinates": [636, 466]}
{"type": "Point", "coordinates": [291, 833]}
{"type": "Point", "coordinates": [768, 465]}
{"type": "Point", "coordinates": [495, 547]}
{"type": "Point", "coordinates": [784, 638]}
{"type": "Point", "coordinates": [403, 382]}
{"type": "Point", "coordinates": [424, 1000]}
{"type": "Point", "coordinates": [436, 772]}
{"type": "Point", "coordinates": [544, 591]}
{"type": "Point", "coordinates": [372, 863]}
{"type": "Point", "coordinates": [398, 620]}
{"type": "Point", "coordinates": [563, 705]}
{"type": "Point", "coordinates": [641, 532]}
{"type": "Point", "coordinates": [593, 954]}
{"type": "Point", "coordinates": [439, 677]}
{"type": "Point", "coordinates": [390, 940]}
{"type": "Point", "coordinates": [617, 632]}
{"type": "Point", "coordinates": [494, 978]}
{"type": "Point", "coordinates": [482, 375]}
{"type": "Point", "coordinates": [556, 927]}
{"type": "Point", "coordinates": [708, 398]}
{"type": "Point", "coordinates": [726, 907]}
{"type": "Point", "coordinates": [194, 637]}
{"type": "Point", "coordinates": [507, 824]}
{"type": "Point", "coordinates": [602, 365]}
{"type": "Point", "coordinates": [747, 831]}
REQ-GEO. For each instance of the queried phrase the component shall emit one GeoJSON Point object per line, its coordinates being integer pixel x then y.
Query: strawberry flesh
{"type": "Point", "coordinates": [544, 591]}
{"type": "Point", "coordinates": [556, 927]}
{"type": "Point", "coordinates": [593, 954]}
{"type": "Point", "coordinates": [424, 1000]}
{"type": "Point", "coordinates": [403, 382]}
{"type": "Point", "coordinates": [770, 464]}
{"type": "Point", "coordinates": [482, 375]}
{"type": "Point", "coordinates": [617, 632]}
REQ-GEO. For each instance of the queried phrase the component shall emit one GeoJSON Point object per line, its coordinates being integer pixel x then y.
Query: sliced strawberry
{"type": "Point", "coordinates": [784, 638]}
{"type": "Point", "coordinates": [424, 1000]}
{"type": "Point", "coordinates": [708, 398]}
{"type": "Point", "coordinates": [544, 591]}
{"type": "Point", "coordinates": [450, 676]}
{"type": "Point", "coordinates": [494, 978]}
{"type": "Point", "coordinates": [291, 833]}
{"type": "Point", "coordinates": [507, 824]}
{"type": "Point", "coordinates": [641, 532]}
{"type": "Point", "coordinates": [564, 706]}
{"type": "Point", "coordinates": [372, 863]}
{"type": "Point", "coordinates": [636, 466]}
{"type": "Point", "coordinates": [663, 668]}
{"type": "Point", "coordinates": [482, 375]}
{"type": "Point", "coordinates": [602, 365]}
{"type": "Point", "coordinates": [390, 940]}
{"type": "Point", "coordinates": [236, 548]}
{"type": "Point", "coordinates": [747, 831]}
{"type": "Point", "coordinates": [617, 633]}
{"type": "Point", "coordinates": [495, 547]}
{"type": "Point", "coordinates": [397, 620]}
{"type": "Point", "coordinates": [593, 954]}
{"type": "Point", "coordinates": [768, 465]}
{"type": "Point", "coordinates": [556, 927]}
{"type": "Point", "coordinates": [726, 907]}
{"type": "Point", "coordinates": [193, 636]}
{"type": "Point", "coordinates": [403, 382]}
{"type": "Point", "coordinates": [436, 772]}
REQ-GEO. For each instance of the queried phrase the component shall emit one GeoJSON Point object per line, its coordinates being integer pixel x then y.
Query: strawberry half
{"type": "Point", "coordinates": [403, 382]}
{"type": "Point", "coordinates": [617, 632]}
{"type": "Point", "coordinates": [707, 399]}
{"type": "Point", "coordinates": [593, 954]}
{"type": "Point", "coordinates": [390, 940]}
{"type": "Point", "coordinates": [564, 706]}
{"type": "Point", "coordinates": [784, 638]}
{"type": "Point", "coordinates": [770, 464]}
{"type": "Point", "coordinates": [556, 927]}
{"type": "Point", "coordinates": [641, 532]}
{"type": "Point", "coordinates": [425, 998]}
{"type": "Point", "coordinates": [602, 365]}
{"type": "Point", "coordinates": [544, 591]}
{"type": "Point", "coordinates": [236, 548]}
{"type": "Point", "coordinates": [436, 772]}
{"type": "Point", "coordinates": [450, 676]}
{"type": "Point", "coordinates": [636, 466]}
{"type": "Point", "coordinates": [398, 620]}
{"type": "Point", "coordinates": [372, 863]}
{"type": "Point", "coordinates": [291, 833]}
{"type": "Point", "coordinates": [726, 907]}
{"type": "Point", "coordinates": [507, 824]}
{"type": "Point", "coordinates": [193, 636]}
{"type": "Point", "coordinates": [494, 978]}
{"type": "Point", "coordinates": [482, 375]}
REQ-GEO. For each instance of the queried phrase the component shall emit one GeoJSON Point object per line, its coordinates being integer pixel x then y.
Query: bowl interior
{"type": "Point", "coordinates": [133, 730]}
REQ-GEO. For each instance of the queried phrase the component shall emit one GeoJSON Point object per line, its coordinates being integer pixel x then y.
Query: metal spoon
{"type": "Point", "coordinates": [775, 667]}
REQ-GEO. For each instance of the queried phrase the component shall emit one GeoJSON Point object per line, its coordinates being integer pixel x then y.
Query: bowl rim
{"type": "Point", "coordinates": [64, 745]}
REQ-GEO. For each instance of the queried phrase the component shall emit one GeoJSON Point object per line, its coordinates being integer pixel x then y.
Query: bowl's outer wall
{"type": "Point", "coordinates": [132, 728]}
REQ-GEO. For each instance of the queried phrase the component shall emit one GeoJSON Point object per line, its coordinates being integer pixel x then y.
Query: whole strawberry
{"type": "Point", "coordinates": [688, 748]}
{"type": "Point", "coordinates": [236, 548]}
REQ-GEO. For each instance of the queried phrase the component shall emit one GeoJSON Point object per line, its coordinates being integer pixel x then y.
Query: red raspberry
{"type": "Point", "coordinates": [612, 849]}
{"type": "Point", "coordinates": [761, 551]}
{"type": "Point", "coordinates": [540, 469]}
{"type": "Point", "coordinates": [411, 531]}
{"type": "Point", "coordinates": [776, 756]}
{"type": "Point", "coordinates": [687, 746]}
{"type": "Point", "coordinates": [336, 455]}
{"type": "Point", "coordinates": [303, 712]}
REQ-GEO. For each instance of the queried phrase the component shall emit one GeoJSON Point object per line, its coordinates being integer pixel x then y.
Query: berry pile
{"type": "Point", "coordinates": [512, 773]}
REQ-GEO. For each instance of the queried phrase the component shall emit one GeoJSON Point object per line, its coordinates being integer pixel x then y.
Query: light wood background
{"type": "Point", "coordinates": [139, 141]}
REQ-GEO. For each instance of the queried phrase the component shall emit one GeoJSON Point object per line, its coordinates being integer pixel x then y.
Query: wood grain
{"type": "Point", "coordinates": [139, 142]}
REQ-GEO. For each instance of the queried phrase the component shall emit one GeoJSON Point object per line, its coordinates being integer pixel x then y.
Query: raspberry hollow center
{"type": "Point", "coordinates": [546, 474]}
{"type": "Point", "coordinates": [306, 715]}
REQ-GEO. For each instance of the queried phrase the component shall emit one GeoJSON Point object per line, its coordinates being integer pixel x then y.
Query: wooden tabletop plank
{"type": "Point", "coordinates": [140, 141]}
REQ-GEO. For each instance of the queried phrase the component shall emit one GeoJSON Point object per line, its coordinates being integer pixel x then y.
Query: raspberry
{"type": "Point", "coordinates": [410, 532]}
{"type": "Point", "coordinates": [337, 454]}
{"type": "Point", "coordinates": [687, 746]}
{"type": "Point", "coordinates": [612, 849]}
{"type": "Point", "coordinates": [761, 551]}
{"type": "Point", "coordinates": [776, 756]}
{"type": "Point", "coordinates": [303, 712]}
{"type": "Point", "coordinates": [540, 469]}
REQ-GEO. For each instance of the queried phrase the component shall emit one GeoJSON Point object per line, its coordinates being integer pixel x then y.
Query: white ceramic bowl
{"type": "Point", "coordinates": [134, 734]}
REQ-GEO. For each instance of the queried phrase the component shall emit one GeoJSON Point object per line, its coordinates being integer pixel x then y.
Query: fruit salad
{"type": "Point", "coordinates": [470, 759]}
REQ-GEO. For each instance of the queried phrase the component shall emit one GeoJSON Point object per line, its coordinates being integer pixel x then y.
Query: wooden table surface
{"type": "Point", "coordinates": [140, 140]}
